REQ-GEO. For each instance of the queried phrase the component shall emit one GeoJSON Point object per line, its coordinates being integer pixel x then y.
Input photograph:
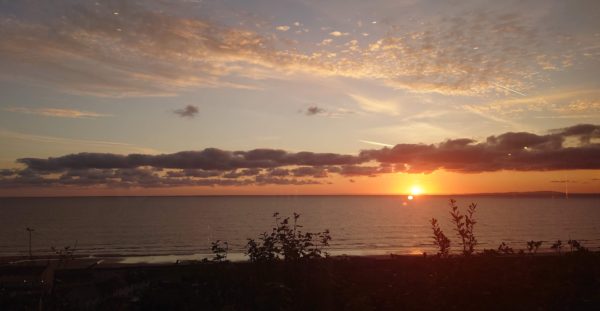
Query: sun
{"type": "Point", "coordinates": [416, 190]}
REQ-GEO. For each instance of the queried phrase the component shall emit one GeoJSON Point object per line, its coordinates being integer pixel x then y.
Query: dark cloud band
{"type": "Point", "coordinates": [575, 147]}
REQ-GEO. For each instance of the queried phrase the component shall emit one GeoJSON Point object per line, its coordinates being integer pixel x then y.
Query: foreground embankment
{"type": "Point", "coordinates": [523, 282]}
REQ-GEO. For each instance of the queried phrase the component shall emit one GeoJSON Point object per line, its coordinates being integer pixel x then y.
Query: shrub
{"type": "Point", "coordinates": [440, 239]}
{"type": "Point", "coordinates": [219, 250]}
{"type": "Point", "coordinates": [557, 246]}
{"type": "Point", "coordinates": [265, 250]}
{"type": "Point", "coordinates": [490, 252]}
{"type": "Point", "coordinates": [533, 246]}
{"type": "Point", "coordinates": [574, 244]}
{"type": "Point", "coordinates": [287, 242]}
{"type": "Point", "coordinates": [464, 225]}
{"type": "Point", "coordinates": [503, 248]}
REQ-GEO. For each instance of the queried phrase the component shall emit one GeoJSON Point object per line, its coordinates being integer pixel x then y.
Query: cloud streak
{"type": "Point", "coordinates": [90, 144]}
{"type": "Point", "coordinates": [57, 112]}
{"type": "Point", "coordinates": [578, 103]}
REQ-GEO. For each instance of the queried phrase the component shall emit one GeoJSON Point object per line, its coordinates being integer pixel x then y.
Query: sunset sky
{"type": "Point", "coordinates": [188, 97]}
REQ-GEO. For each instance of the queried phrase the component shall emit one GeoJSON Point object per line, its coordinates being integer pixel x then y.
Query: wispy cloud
{"type": "Point", "coordinates": [159, 54]}
{"type": "Point", "coordinates": [479, 112]}
{"type": "Point", "coordinates": [581, 106]}
{"type": "Point", "coordinates": [162, 53]}
{"type": "Point", "coordinates": [83, 143]}
{"type": "Point", "coordinates": [412, 132]}
{"type": "Point", "coordinates": [376, 105]}
{"type": "Point", "coordinates": [57, 112]}
{"type": "Point", "coordinates": [574, 116]}
{"type": "Point", "coordinates": [555, 104]}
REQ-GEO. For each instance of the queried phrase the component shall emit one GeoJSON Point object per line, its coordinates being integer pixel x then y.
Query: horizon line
{"type": "Point", "coordinates": [510, 193]}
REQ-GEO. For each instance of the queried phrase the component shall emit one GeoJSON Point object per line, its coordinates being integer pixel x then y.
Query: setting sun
{"type": "Point", "coordinates": [416, 190]}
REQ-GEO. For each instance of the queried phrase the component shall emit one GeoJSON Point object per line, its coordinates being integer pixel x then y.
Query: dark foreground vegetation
{"type": "Point", "coordinates": [540, 282]}
{"type": "Point", "coordinates": [289, 269]}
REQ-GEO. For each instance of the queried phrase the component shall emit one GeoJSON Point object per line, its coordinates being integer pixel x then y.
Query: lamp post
{"type": "Point", "coordinates": [30, 231]}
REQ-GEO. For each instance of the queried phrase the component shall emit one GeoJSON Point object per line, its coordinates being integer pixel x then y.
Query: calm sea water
{"type": "Point", "coordinates": [133, 226]}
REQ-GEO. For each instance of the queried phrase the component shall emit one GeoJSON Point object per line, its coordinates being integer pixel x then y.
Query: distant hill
{"type": "Point", "coordinates": [544, 194]}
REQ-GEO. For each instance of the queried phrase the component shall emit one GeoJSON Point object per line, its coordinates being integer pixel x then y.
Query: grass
{"type": "Point", "coordinates": [569, 282]}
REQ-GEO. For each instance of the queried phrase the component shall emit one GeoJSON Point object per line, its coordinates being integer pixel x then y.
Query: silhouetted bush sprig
{"type": "Point", "coordinates": [557, 246]}
{"type": "Point", "coordinates": [503, 248]}
{"type": "Point", "coordinates": [440, 239]}
{"type": "Point", "coordinates": [219, 250]}
{"type": "Point", "coordinates": [464, 225]}
{"type": "Point", "coordinates": [575, 245]}
{"type": "Point", "coordinates": [533, 246]}
{"type": "Point", "coordinates": [287, 242]}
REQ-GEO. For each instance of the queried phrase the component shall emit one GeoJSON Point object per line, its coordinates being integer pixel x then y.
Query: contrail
{"type": "Point", "coordinates": [509, 89]}
{"type": "Point", "coordinates": [375, 143]}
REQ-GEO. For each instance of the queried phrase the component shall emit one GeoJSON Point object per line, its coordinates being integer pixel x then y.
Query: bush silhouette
{"type": "Point", "coordinates": [557, 246]}
{"type": "Point", "coordinates": [287, 242]}
{"type": "Point", "coordinates": [464, 225]}
{"type": "Point", "coordinates": [574, 244]}
{"type": "Point", "coordinates": [533, 246]}
{"type": "Point", "coordinates": [503, 248]}
{"type": "Point", "coordinates": [219, 250]}
{"type": "Point", "coordinates": [440, 239]}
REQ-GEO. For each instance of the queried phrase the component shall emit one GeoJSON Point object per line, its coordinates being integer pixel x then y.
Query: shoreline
{"type": "Point", "coordinates": [102, 261]}
{"type": "Point", "coordinates": [161, 259]}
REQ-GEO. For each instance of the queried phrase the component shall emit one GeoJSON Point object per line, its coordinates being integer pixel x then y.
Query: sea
{"type": "Point", "coordinates": [164, 229]}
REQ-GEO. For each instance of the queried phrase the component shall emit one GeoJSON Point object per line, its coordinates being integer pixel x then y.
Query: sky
{"type": "Point", "coordinates": [195, 97]}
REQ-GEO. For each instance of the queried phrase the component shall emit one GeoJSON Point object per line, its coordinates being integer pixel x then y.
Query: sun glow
{"type": "Point", "coordinates": [416, 190]}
